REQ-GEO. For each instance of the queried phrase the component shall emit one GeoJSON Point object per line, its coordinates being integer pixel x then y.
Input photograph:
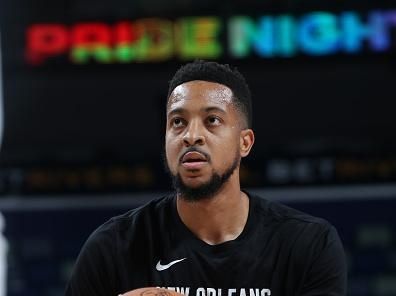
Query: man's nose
{"type": "Point", "coordinates": [194, 134]}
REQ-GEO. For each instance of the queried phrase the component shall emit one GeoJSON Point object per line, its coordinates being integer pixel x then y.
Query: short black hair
{"type": "Point", "coordinates": [220, 73]}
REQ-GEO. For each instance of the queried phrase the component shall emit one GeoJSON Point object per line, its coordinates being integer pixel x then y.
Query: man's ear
{"type": "Point", "coordinates": [246, 141]}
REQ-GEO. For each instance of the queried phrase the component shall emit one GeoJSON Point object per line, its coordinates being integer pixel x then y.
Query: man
{"type": "Point", "coordinates": [210, 238]}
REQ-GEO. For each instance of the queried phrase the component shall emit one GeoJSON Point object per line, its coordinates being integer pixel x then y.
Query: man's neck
{"type": "Point", "coordinates": [217, 219]}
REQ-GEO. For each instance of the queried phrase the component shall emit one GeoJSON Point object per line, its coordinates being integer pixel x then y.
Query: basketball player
{"type": "Point", "coordinates": [210, 238]}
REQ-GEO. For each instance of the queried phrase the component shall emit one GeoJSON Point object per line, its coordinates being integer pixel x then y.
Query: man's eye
{"type": "Point", "coordinates": [177, 122]}
{"type": "Point", "coordinates": [213, 120]}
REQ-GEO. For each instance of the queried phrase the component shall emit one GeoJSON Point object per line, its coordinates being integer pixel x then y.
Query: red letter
{"type": "Point", "coordinates": [91, 35]}
{"type": "Point", "coordinates": [46, 40]}
{"type": "Point", "coordinates": [126, 33]}
{"type": "Point", "coordinates": [91, 40]}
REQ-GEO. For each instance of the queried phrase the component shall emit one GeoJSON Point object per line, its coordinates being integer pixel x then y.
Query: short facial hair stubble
{"type": "Point", "coordinates": [205, 190]}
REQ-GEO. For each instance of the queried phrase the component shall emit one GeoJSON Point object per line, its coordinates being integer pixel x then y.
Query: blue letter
{"type": "Point", "coordinates": [355, 32]}
{"type": "Point", "coordinates": [318, 34]}
{"type": "Point", "coordinates": [243, 34]}
{"type": "Point", "coordinates": [286, 36]}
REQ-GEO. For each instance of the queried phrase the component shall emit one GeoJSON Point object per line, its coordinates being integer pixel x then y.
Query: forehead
{"type": "Point", "coordinates": [200, 92]}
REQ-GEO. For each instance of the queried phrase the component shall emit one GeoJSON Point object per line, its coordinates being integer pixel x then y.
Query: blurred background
{"type": "Point", "coordinates": [83, 86]}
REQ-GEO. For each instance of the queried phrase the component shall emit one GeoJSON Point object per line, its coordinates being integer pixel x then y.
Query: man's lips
{"type": "Point", "coordinates": [193, 156]}
{"type": "Point", "coordinates": [193, 160]}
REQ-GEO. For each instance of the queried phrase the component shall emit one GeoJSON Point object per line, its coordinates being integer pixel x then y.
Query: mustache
{"type": "Point", "coordinates": [195, 149]}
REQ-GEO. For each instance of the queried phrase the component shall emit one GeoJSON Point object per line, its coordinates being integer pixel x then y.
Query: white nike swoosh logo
{"type": "Point", "coordinates": [161, 267]}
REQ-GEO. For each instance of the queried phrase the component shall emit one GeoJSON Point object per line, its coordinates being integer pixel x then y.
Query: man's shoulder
{"type": "Point", "coordinates": [303, 232]}
{"type": "Point", "coordinates": [137, 219]}
{"type": "Point", "coordinates": [154, 207]}
{"type": "Point", "coordinates": [279, 214]}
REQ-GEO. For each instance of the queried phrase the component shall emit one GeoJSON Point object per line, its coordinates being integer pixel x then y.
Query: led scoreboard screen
{"type": "Point", "coordinates": [85, 84]}
{"type": "Point", "coordinates": [154, 39]}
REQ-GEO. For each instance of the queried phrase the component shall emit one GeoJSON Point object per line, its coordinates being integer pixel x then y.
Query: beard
{"type": "Point", "coordinates": [205, 190]}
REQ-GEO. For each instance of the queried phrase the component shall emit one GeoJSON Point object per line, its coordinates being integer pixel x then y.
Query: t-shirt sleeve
{"type": "Point", "coordinates": [327, 274]}
{"type": "Point", "coordinates": [93, 272]}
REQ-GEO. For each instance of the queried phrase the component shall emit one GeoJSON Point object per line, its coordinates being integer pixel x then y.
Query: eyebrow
{"type": "Point", "coordinates": [206, 110]}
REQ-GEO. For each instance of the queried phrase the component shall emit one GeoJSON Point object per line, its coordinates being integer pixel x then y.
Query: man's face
{"type": "Point", "coordinates": [203, 137]}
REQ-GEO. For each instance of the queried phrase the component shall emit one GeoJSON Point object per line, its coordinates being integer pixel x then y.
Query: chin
{"type": "Point", "coordinates": [195, 182]}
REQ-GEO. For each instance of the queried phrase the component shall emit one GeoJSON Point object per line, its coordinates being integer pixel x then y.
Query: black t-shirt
{"type": "Point", "coordinates": [280, 252]}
